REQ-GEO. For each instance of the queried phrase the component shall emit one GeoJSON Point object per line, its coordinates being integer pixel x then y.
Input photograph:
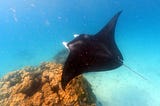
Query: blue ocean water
{"type": "Point", "coordinates": [32, 31]}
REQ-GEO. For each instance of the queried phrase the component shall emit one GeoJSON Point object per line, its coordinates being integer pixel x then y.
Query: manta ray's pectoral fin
{"type": "Point", "coordinates": [107, 32]}
{"type": "Point", "coordinates": [70, 69]}
{"type": "Point", "coordinates": [106, 35]}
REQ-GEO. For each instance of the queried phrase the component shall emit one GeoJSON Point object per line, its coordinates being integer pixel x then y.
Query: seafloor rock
{"type": "Point", "coordinates": [41, 86]}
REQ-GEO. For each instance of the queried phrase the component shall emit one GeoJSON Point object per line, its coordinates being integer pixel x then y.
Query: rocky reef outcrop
{"type": "Point", "coordinates": [41, 86]}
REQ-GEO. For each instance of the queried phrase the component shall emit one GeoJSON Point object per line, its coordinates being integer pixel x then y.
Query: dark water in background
{"type": "Point", "coordinates": [32, 31]}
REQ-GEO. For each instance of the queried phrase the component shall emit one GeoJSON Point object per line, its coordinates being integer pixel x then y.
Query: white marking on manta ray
{"type": "Point", "coordinates": [76, 35]}
{"type": "Point", "coordinates": [65, 44]}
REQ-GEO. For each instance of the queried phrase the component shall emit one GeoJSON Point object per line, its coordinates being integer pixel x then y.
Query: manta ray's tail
{"type": "Point", "coordinates": [133, 70]}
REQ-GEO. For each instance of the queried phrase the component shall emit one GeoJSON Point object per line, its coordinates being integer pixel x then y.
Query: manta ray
{"type": "Point", "coordinates": [92, 53]}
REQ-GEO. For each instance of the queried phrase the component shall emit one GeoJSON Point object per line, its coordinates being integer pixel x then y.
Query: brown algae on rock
{"type": "Point", "coordinates": [41, 86]}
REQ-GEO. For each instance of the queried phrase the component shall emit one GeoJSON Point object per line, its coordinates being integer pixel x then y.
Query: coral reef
{"type": "Point", "coordinates": [41, 86]}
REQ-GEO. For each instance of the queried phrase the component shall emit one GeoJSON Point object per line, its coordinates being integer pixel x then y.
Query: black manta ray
{"type": "Point", "coordinates": [90, 53]}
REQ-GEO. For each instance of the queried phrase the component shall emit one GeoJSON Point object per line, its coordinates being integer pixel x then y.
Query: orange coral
{"type": "Point", "coordinates": [41, 86]}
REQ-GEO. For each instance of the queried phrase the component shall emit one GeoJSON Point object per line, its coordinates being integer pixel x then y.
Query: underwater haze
{"type": "Point", "coordinates": [32, 31]}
